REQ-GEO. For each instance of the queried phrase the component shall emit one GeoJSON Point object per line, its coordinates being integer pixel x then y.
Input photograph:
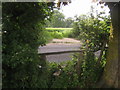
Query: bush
{"type": "Point", "coordinates": [56, 34]}
{"type": "Point", "coordinates": [94, 32]}
{"type": "Point", "coordinates": [63, 75]}
{"type": "Point", "coordinates": [59, 33]}
{"type": "Point", "coordinates": [90, 71]}
{"type": "Point", "coordinates": [22, 34]}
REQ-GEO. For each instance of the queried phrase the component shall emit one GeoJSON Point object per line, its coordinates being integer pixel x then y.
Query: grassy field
{"type": "Point", "coordinates": [58, 28]}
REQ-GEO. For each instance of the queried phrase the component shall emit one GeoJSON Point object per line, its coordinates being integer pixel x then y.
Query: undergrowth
{"type": "Point", "coordinates": [64, 75]}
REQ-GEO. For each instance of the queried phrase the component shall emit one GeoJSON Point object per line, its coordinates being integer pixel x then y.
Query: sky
{"type": "Point", "coordinates": [78, 7]}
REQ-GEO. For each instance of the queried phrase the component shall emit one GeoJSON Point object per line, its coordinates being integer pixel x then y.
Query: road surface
{"type": "Point", "coordinates": [58, 45]}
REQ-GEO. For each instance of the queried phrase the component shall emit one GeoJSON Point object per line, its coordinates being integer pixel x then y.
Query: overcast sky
{"type": "Point", "coordinates": [78, 7]}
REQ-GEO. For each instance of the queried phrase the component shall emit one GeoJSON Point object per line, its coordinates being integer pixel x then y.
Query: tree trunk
{"type": "Point", "coordinates": [110, 74]}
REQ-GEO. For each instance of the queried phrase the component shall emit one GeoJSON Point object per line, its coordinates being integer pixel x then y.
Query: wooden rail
{"type": "Point", "coordinates": [60, 52]}
{"type": "Point", "coordinates": [79, 62]}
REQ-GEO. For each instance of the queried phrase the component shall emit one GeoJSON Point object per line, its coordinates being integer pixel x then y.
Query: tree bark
{"type": "Point", "coordinates": [110, 74]}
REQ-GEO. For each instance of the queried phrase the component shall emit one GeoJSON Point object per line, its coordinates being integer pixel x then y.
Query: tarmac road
{"type": "Point", "coordinates": [58, 45]}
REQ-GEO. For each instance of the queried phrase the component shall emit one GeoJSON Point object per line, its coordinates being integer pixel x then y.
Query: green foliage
{"type": "Point", "coordinates": [69, 22]}
{"type": "Point", "coordinates": [94, 32]}
{"type": "Point", "coordinates": [22, 33]}
{"type": "Point", "coordinates": [46, 37]}
{"type": "Point", "coordinates": [63, 75]}
{"type": "Point", "coordinates": [58, 21]}
{"type": "Point", "coordinates": [90, 73]}
{"type": "Point", "coordinates": [58, 33]}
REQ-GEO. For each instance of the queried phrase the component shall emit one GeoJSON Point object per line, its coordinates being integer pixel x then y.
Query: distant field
{"type": "Point", "coordinates": [59, 29]}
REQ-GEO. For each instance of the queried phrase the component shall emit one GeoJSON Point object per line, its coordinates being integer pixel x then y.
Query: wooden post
{"type": "Point", "coordinates": [79, 63]}
{"type": "Point", "coordinates": [43, 57]}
